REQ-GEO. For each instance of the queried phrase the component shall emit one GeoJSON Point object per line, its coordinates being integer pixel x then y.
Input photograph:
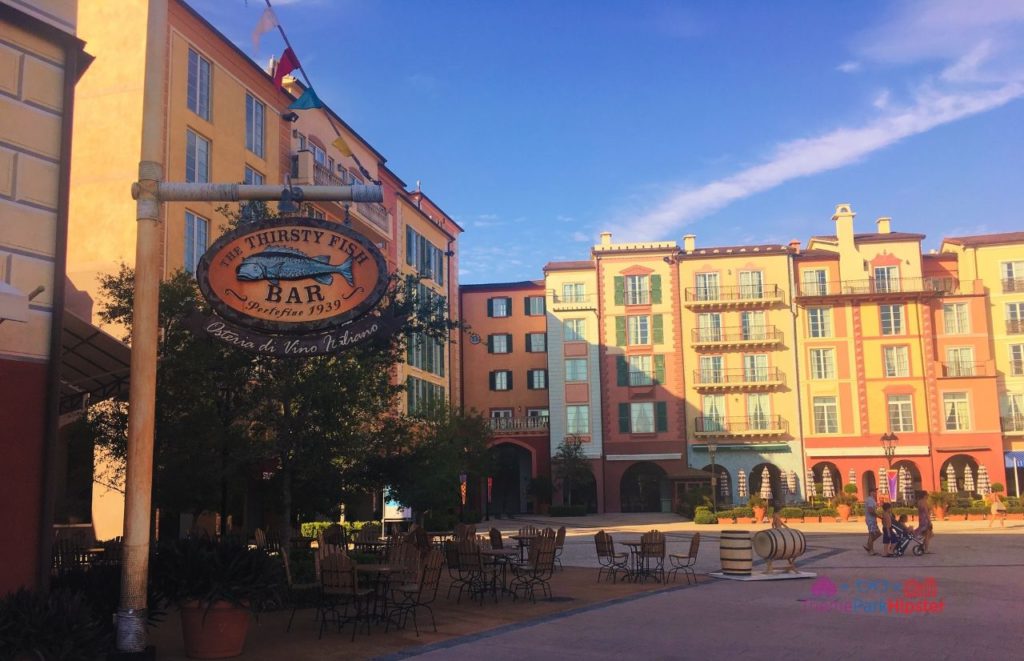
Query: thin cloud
{"type": "Point", "coordinates": [849, 67]}
{"type": "Point", "coordinates": [808, 156]}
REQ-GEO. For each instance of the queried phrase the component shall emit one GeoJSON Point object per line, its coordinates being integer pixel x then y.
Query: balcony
{"type": "Point", "coordinates": [962, 369]}
{"type": "Point", "coordinates": [1011, 285]}
{"type": "Point", "coordinates": [737, 296]}
{"type": "Point", "coordinates": [879, 288]}
{"type": "Point", "coordinates": [562, 303]}
{"type": "Point", "coordinates": [760, 378]}
{"type": "Point", "coordinates": [1013, 424]}
{"type": "Point", "coordinates": [751, 336]}
{"type": "Point", "coordinates": [1014, 326]}
{"type": "Point", "coordinates": [307, 171]}
{"type": "Point", "coordinates": [525, 425]}
{"type": "Point", "coordinates": [747, 425]}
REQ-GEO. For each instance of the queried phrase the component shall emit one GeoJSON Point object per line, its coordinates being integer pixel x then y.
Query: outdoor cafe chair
{"type": "Point", "coordinates": [652, 555]}
{"type": "Point", "coordinates": [685, 563]}
{"type": "Point", "coordinates": [480, 576]}
{"type": "Point", "coordinates": [528, 531]}
{"type": "Point", "coordinates": [298, 594]}
{"type": "Point", "coordinates": [406, 559]}
{"type": "Point", "coordinates": [459, 578]}
{"type": "Point", "coordinates": [608, 560]}
{"type": "Point", "coordinates": [335, 534]}
{"type": "Point", "coordinates": [339, 587]}
{"type": "Point", "coordinates": [559, 545]}
{"type": "Point", "coordinates": [407, 598]}
{"type": "Point", "coordinates": [537, 571]}
{"type": "Point", "coordinates": [496, 541]}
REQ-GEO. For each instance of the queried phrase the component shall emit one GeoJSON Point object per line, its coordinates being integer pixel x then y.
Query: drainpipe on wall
{"type": "Point", "coordinates": [796, 367]}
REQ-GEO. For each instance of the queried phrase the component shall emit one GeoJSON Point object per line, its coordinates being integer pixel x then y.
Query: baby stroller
{"type": "Point", "coordinates": [902, 538]}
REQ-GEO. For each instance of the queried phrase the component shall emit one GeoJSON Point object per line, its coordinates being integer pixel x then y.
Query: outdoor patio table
{"type": "Point", "coordinates": [380, 576]}
{"type": "Point", "coordinates": [523, 541]}
{"type": "Point", "coordinates": [501, 556]}
{"type": "Point", "coordinates": [634, 555]}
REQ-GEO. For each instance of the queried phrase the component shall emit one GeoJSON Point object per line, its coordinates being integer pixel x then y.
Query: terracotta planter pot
{"type": "Point", "coordinates": [744, 519]}
{"type": "Point", "coordinates": [844, 512]}
{"type": "Point", "coordinates": [939, 512]}
{"type": "Point", "coordinates": [216, 633]}
{"type": "Point", "coordinates": [976, 517]}
{"type": "Point", "coordinates": [759, 514]}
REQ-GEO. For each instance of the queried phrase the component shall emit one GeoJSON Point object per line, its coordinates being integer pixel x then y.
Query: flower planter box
{"type": "Point", "coordinates": [1018, 516]}
{"type": "Point", "coordinates": [976, 517]}
{"type": "Point", "coordinates": [744, 519]}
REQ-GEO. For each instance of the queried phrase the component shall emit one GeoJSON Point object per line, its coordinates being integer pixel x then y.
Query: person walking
{"type": "Point", "coordinates": [871, 518]}
{"type": "Point", "coordinates": [924, 519]}
{"type": "Point", "coordinates": [998, 507]}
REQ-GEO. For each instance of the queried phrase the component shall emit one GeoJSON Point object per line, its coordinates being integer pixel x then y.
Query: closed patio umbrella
{"type": "Point", "coordinates": [883, 482]}
{"type": "Point", "coordinates": [950, 479]}
{"type": "Point", "coordinates": [906, 485]}
{"type": "Point", "coordinates": [853, 476]}
{"type": "Point", "coordinates": [741, 483]}
{"type": "Point", "coordinates": [828, 489]}
{"type": "Point", "coordinates": [968, 479]}
{"type": "Point", "coordinates": [766, 484]}
{"type": "Point", "coordinates": [791, 482]}
{"type": "Point", "coordinates": [984, 486]}
{"type": "Point", "coordinates": [809, 484]}
{"type": "Point", "coordinates": [723, 484]}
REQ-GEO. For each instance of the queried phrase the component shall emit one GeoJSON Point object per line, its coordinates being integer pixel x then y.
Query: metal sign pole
{"type": "Point", "coordinates": [151, 192]}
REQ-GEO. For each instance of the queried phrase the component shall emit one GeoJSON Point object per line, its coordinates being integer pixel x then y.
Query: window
{"type": "Point", "coordinates": [709, 326]}
{"type": "Point", "coordinates": [752, 325]}
{"type": "Point", "coordinates": [423, 394]}
{"type": "Point", "coordinates": [537, 379]}
{"type": "Point", "coordinates": [1013, 276]}
{"type": "Point", "coordinates": [537, 413]}
{"type": "Point", "coordinates": [819, 322]}
{"type": "Point", "coordinates": [815, 282]}
{"type": "Point", "coordinates": [960, 361]}
{"type": "Point", "coordinates": [428, 260]}
{"type": "Point", "coordinates": [1015, 318]}
{"type": "Point", "coordinates": [640, 370]}
{"type": "Point", "coordinates": [826, 415]}
{"type": "Point", "coordinates": [536, 342]}
{"type": "Point", "coordinates": [643, 418]}
{"type": "Point", "coordinates": [638, 330]}
{"type": "Point", "coordinates": [901, 413]}
{"type": "Point", "coordinates": [198, 84]}
{"type": "Point", "coordinates": [498, 414]}
{"type": "Point", "coordinates": [576, 369]}
{"type": "Point", "coordinates": [575, 329]}
{"type": "Point", "coordinates": [823, 364]}
{"type": "Point", "coordinates": [887, 278]}
{"type": "Point", "coordinates": [252, 177]}
{"type": "Point", "coordinates": [317, 213]}
{"type": "Point", "coordinates": [197, 158]}
{"type": "Point", "coordinates": [499, 307]}
{"type": "Point", "coordinates": [707, 286]}
{"type": "Point", "coordinates": [319, 155]}
{"type": "Point", "coordinates": [1017, 359]}
{"type": "Point", "coordinates": [501, 380]}
{"type": "Point", "coordinates": [535, 306]}
{"type": "Point", "coordinates": [954, 318]}
{"type": "Point", "coordinates": [500, 343]}
{"type": "Point", "coordinates": [954, 404]}
{"type": "Point", "coordinates": [711, 369]}
{"type": "Point", "coordinates": [755, 367]}
{"type": "Point", "coordinates": [1015, 410]}
{"type": "Point", "coordinates": [577, 419]}
{"type": "Point", "coordinates": [759, 413]}
{"type": "Point", "coordinates": [892, 319]}
{"type": "Point", "coordinates": [751, 284]}
{"type": "Point", "coordinates": [713, 408]}
{"type": "Point", "coordinates": [896, 361]}
{"type": "Point", "coordinates": [426, 353]}
{"type": "Point", "coordinates": [637, 290]}
{"type": "Point", "coordinates": [254, 111]}
{"type": "Point", "coordinates": [573, 292]}
{"type": "Point", "coordinates": [197, 231]}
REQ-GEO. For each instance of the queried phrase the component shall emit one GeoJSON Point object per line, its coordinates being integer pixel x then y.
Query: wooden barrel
{"type": "Point", "coordinates": [780, 544]}
{"type": "Point", "coordinates": [735, 551]}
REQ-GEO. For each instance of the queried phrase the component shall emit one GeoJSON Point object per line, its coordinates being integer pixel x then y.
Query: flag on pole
{"type": "Point", "coordinates": [342, 146]}
{"type": "Point", "coordinates": [307, 101]}
{"type": "Point", "coordinates": [285, 66]}
{"type": "Point", "coordinates": [268, 21]}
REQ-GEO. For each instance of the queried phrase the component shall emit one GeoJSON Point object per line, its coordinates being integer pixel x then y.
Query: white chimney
{"type": "Point", "coordinates": [606, 238]}
{"type": "Point", "coordinates": [689, 243]}
{"type": "Point", "coordinates": [843, 218]}
{"type": "Point", "coordinates": [884, 224]}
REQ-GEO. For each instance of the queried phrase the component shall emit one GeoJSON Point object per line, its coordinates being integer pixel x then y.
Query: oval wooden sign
{"type": "Point", "coordinates": [292, 275]}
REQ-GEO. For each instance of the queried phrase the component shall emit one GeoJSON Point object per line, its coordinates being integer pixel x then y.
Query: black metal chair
{"type": "Point", "coordinates": [407, 598]}
{"type": "Point", "coordinates": [298, 595]}
{"type": "Point", "coordinates": [339, 588]}
{"type": "Point", "coordinates": [685, 563]}
{"type": "Point", "coordinates": [537, 571]}
{"type": "Point", "coordinates": [608, 560]}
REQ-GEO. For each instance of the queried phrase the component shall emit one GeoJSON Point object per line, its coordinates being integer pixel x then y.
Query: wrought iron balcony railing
{"type": "Point", "coordinates": [1015, 326]}
{"type": "Point", "coordinates": [962, 368]}
{"type": "Point", "coordinates": [746, 425]}
{"type": "Point", "coordinates": [878, 287]}
{"type": "Point", "coordinates": [521, 424]}
{"type": "Point", "coordinates": [1013, 424]}
{"type": "Point", "coordinates": [750, 377]}
{"type": "Point", "coordinates": [737, 335]}
{"type": "Point", "coordinates": [1011, 285]}
{"type": "Point", "coordinates": [562, 302]}
{"type": "Point", "coordinates": [744, 295]}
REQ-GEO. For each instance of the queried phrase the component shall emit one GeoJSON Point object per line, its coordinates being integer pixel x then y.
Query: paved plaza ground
{"type": "Point", "coordinates": [975, 575]}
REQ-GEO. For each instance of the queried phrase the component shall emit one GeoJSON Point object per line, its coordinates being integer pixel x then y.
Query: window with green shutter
{"type": "Point", "coordinates": [620, 290]}
{"type": "Point", "coordinates": [659, 368]}
{"type": "Point", "coordinates": [620, 331]}
{"type": "Point", "coordinates": [624, 418]}
{"type": "Point", "coordinates": [621, 371]}
{"type": "Point", "coordinates": [658, 329]}
{"type": "Point", "coordinates": [656, 289]}
{"type": "Point", "coordinates": [660, 416]}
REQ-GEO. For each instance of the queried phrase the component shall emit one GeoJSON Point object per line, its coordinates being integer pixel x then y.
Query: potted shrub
{"type": "Point", "coordinates": [757, 503]}
{"type": "Point", "coordinates": [743, 514]}
{"type": "Point", "coordinates": [542, 489]}
{"type": "Point", "coordinates": [216, 586]}
{"type": "Point", "coordinates": [791, 514]}
{"type": "Point", "coordinates": [940, 502]}
{"type": "Point", "coordinates": [846, 501]}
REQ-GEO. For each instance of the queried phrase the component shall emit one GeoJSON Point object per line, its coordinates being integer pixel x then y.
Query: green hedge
{"type": "Point", "coordinates": [568, 510]}
{"type": "Point", "coordinates": [899, 511]}
{"type": "Point", "coordinates": [828, 511]}
{"type": "Point", "coordinates": [313, 528]}
{"type": "Point", "coordinates": [791, 513]}
{"type": "Point", "coordinates": [703, 515]}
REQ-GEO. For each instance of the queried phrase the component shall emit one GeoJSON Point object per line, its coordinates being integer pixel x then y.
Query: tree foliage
{"type": "Point", "coordinates": [571, 466]}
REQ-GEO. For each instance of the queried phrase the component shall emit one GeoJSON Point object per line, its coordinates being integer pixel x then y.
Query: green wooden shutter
{"type": "Point", "coordinates": [620, 290]}
{"type": "Point", "coordinates": [655, 289]}
{"type": "Point", "coordinates": [510, 379]}
{"type": "Point", "coordinates": [526, 306]}
{"type": "Point", "coordinates": [408, 245]}
{"type": "Point", "coordinates": [490, 379]}
{"type": "Point", "coordinates": [490, 307]}
{"type": "Point", "coordinates": [408, 349]}
{"type": "Point", "coordinates": [622, 370]}
{"type": "Point", "coordinates": [490, 344]}
{"type": "Point", "coordinates": [508, 305]}
{"type": "Point", "coordinates": [659, 330]}
{"type": "Point", "coordinates": [659, 368]}
{"type": "Point", "coordinates": [624, 418]}
{"type": "Point", "coordinates": [620, 331]}
{"type": "Point", "coordinates": [660, 416]}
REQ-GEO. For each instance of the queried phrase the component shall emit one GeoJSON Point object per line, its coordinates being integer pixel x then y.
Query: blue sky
{"type": "Point", "coordinates": [539, 124]}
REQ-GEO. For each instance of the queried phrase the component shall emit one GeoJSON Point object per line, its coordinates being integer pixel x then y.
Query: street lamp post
{"type": "Point", "coordinates": [889, 440]}
{"type": "Point", "coordinates": [714, 477]}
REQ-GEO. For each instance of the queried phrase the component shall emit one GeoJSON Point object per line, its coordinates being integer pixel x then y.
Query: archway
{"type": "Point", "coordinates": [641, 488]}
{"type": "Point", "coordinates": [513, 470]}
{"type": "Point", "coordinates": [915, 479]}
{"type": "Point", "coordinates": [775, 481]}
{"type": "Point", "coordinates": [725, 483]}
{"type": "Point", "coordinates": [819, 477]}
{"type": "Point", "coordinates": [960, 463]}
{"type": "Point", "coordinates": [867, 483]}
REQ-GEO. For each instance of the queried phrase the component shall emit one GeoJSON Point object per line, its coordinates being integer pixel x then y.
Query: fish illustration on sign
{"type": "Point", "coordinates": [278, 263]}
